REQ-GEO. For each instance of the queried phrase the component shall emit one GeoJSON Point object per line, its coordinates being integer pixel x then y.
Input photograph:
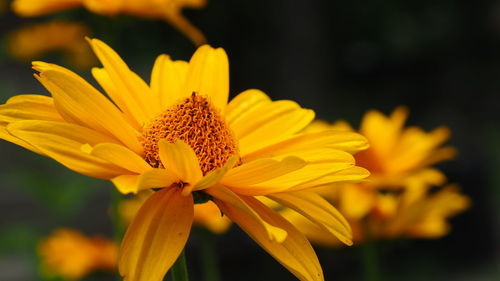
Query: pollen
{"type": "Point", "coordinates": [196, 122]}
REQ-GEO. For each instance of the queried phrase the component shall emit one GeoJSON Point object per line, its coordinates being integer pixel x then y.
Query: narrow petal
{"type": "Point", "coordinates": [126, 183]}
{"type": "Point", "coordinates": [167, 80]}
{"type": "Point", "coordinates": [349, 175]}
{"type": "Point", "coordinates": [156, 236]}
{"type": "Point", "coordinates": [346, 141]}
{"type": "Point", "coordinates": [318, 210]}
{"type": "Point", "coordinates": [26, 107]}
{"type": "Point", "coordinates": [121, 157]}
{"type": "Point", "coordinates": [64, 143]}
{"type": "Point", "coordinates": [180, 159]}
{"type": "Point", "coordinates": [102, 77]}
{"type": "Point", "coordinates": [156, 178]}
{"type": "Point", "coordinates": [80, 103]}
{"type": "Point", "coordinates": [269, 124]}
{"type": "Point", "coordinates": [208, 75]}
{"type": "Point", "coordinates": [214, 176]}
{"type": "Point", "coordinates": [134, 96]}
{"type": "Point", "coordinates": [29, 107]}
{"type": "Point", "coordinates": [229, 198]}
{"type": "Point", "coordinates": [244, 104]}
{"type": "Point", "coordinates": [295, 252]}
{"type": "Point", "coordinates": [294, 180]}
{"type": "Point", "coordinates": [261, 170]}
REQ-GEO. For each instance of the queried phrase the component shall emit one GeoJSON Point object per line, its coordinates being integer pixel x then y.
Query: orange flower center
{"type": "Point", "coordinates": [197, 123]}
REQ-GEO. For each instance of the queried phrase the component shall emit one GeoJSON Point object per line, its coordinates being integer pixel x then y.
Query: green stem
{"type": "Point", "coordinates": [179, 269]}
{"type": "Point", "coordinates": [369, 256]}
{"type": "Point", "coordinates": [209, 257]}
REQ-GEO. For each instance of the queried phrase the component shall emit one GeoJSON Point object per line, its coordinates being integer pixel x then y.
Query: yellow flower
{"type": "Point", "coordinates": [395, 200]}
{"type": "Point", "coordinates": [206, 214]}
{"type": "Point", "coordinates": [33, 41]}
{"type": "Point", "coordinates": [168, 10]}
{"type": "Point", "coordinates": [72, 255]}
{"type": "Point", "coordinates": [398, 158]}
{"type": "Point", "coordinates": [181, 137]}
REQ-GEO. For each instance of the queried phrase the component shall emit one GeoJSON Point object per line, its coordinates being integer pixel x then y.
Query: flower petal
{"type": "Point", "coordinates": [120, 156]}
{"type": "Point", "coordinates": [80, 103]}
{"type": "Point", "coordinates": [318, 210]}
{"type": "Point", "coordinates": [156, 178]}
{"type": "Point", "coordinates": [295, 252]}
{"type": "Point", "coordinates": [29, 107]}
{"type": "Point", "coordinates": [156, 236]}
{"type": "Point", "coordinates": [213, 177]}
{"type": "Point", "coordinates": [244, 104]}
{"type": "Point", "coordinates": [341, 140]}
{"type": "Point", "coordinates": [261, 170]}
{"type": "Point", "coordinates": [64, 143]}
{"type": "Point", "coordinates": [269, 124]}
{"type": "Point", "coordinates": [208, 75]}
{"type": "Point", "coordinates": [26, 107]}
{"type": "Point", "coordinates": [167, 80]}
{"type": "Point", "coordinates": [126, 183]}
{"type": "Point", "coordinates": [180, 159]}
{"type": "Point", "coordinates": [229, 198]}
{"type": "Point", "coordinates": [349, 175]}
{"type": "Point", "coordinates": [135, 96]}
{"type": "Point", "coordinates": [34, 8]}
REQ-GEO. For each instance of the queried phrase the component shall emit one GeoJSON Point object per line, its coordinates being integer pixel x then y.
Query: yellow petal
{"type": "Point", "coordinates": [295, 253]}
{"type": "Point", "coordinates": [341, 140]}
{"type": "Point", "coordinates": [102, 77]}
{"type": "Point", "coordinates": [63, 142]}
{"type": "Point", "coordinates": [270, 123]}
{"type": "Point", "coordinates": [156, 236]}
{"type": "Point", "coordinates": [261, 170]}
{"type": "Point", "coordinates": [167, 79]}
{"type": "Point", "coordinates": [214, 176]}
{"type": "Point", "coordinates": [208, 75]}
{"type": "Point", "coordinates": [177, 19]}
{"type": "Point", "coordinates": [120, 156]}
{"type": "Point", "coordinates": [26, 107]}
{"type": "Point", "coordinates": [156, 178]}
{"type": "Point", "coordinates": [349, 175]}
{"type": "Point", "coordinates": [180, 159]}
{"type": "Point", "coordinates": [294, 180]}
{"type": "Point", "coordinates": [126, 183]}
{"type": "Point", "coordinates": [318, 210]}
{"type": "Point", "coordinates": [225, 196]}
{"type": "Point", "coordinates": [80, 103]}
{"type": "Point", "coordinates": [210, 216]}
{"type": "Point", "coordinates": [244, 104]}
{"type": "Point", "coordinates": [29, 107]}
{"type": "Point", "coordinates": [135, 96]}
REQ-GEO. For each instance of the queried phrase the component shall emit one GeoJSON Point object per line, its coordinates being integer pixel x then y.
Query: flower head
{"type": "Point", "coordinates": [398, 198]}
{"type": "Point", "coordinates": [168, 10]}
{"type": "Point", "coordinates": [72, 255]}
{"type": "Point", "coordinates": [180, 137]}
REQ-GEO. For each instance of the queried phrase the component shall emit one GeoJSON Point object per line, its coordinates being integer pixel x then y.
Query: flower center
{"type": "Point", "coordinates": [197, 123]}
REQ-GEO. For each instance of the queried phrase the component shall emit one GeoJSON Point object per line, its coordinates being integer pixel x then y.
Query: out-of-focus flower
{"type": "Point", "coordinates": [168, 10]}
{"type": "Point", "coordinates": [72, 255]}
{"type": "Point", "coordinates": [397, 199]}
{"type": "Point", "coordinates": [33, 41]}
{"type": "Point", "coordinates": [182, 138]}
{"type": "Point", "coordinates": [205, 215]}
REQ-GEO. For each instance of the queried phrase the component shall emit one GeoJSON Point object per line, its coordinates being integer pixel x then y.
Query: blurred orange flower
{"type": "Point", "coordinates": [72, 255]}
{"type": "Point", "coordinates": [168, 10]}
{"type": "Point", "coordinates": [33, 41]}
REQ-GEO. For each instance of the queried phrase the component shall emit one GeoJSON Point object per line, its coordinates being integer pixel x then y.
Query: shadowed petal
{"type": "Point", "coordinates": [156, 236]}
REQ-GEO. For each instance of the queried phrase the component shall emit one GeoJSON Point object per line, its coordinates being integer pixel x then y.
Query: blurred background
{"type": "Point", "coordinates": [341, 58]}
